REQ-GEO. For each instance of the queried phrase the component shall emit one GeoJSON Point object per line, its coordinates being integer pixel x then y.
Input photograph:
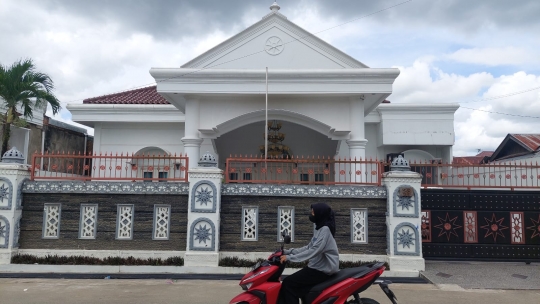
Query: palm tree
{"type": "Point", "coordinates": [21, 87]}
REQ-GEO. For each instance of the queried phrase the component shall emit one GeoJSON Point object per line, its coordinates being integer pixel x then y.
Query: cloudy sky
{"type": "Point", "coordinates": [478, 53]}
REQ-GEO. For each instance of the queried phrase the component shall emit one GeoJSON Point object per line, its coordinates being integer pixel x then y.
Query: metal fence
{"type": "Point", "coordinates": [509, 175]}
{"type": "Point", "coordinates": [303, 170]}
{"type": "Point", "coordinates": [109, 166]}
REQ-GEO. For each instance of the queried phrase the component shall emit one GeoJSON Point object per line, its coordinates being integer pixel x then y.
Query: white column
{"type": "Point", "coordinates": [403, 220]}
{"type": "Point", "coordinates": [203, 217]}
{"type": "Point", "coordinates": [357, 142]}
{"type": "Point", "coordinates": [12, 176]}
{"type": "Point", "coordinates": [191, 140]}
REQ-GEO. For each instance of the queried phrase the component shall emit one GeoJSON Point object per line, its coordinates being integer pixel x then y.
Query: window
{"type": "Point", "coordinates": [233, 176]}
{"type": "Point", "coordinates": [247, 176]}
{"type": "Point", "coordinates": [319, 177]}
{"type": "Point", "coordinates": [148, 175]}
{"type": "Point", "coordinates": [163, 175]}
{"type": "Point", "coordinates": [304, 177]}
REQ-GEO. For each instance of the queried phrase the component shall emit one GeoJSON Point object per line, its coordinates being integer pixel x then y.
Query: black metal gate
{"type": "Point", "coordinates": [480, 224]}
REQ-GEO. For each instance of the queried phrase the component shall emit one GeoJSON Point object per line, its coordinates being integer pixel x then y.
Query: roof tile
{"type": "Point", "coordinates": [532, 141]}
{"type": "Point", "coordinates": [147, 95]}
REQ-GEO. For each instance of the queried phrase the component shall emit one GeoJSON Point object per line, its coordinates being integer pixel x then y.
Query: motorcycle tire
{"type": "Point", "coordinates": [364, 301]}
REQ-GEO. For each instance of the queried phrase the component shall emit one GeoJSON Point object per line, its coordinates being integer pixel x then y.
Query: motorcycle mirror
{"type": "Point", "coordinates": [287, 239]}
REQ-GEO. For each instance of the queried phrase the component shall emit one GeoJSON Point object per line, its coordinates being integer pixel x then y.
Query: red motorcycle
{"type": "Point", "coordinates": [262, 283]}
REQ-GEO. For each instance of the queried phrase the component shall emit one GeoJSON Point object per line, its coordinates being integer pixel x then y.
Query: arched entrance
{"type": "Point", "coordinates": [247, 139]}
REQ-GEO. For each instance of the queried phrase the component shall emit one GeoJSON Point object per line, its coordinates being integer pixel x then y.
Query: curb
{"type": "Point", "coordinates": [158, 276]}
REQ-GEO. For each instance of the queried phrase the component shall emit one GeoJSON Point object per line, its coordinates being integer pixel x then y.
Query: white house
{"type": "Point", "coordinates": [327, 104]}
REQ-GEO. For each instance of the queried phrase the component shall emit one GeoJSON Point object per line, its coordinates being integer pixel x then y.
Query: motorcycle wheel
{"type": "Point", "coordinates": [364, 301]}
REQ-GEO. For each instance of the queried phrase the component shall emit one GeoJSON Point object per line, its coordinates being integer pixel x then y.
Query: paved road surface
{"type": "Point", "coordinates": [53, 291]}
{"type": "Point", "coordinates": [488, 275]}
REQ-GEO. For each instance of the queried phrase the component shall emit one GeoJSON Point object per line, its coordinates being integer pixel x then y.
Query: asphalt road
{"type": "Point", "coordinates": [53, 291]}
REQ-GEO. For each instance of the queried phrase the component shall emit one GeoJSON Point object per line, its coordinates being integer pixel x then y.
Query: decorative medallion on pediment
{"type": "Point", "coordinates": [274, 45]}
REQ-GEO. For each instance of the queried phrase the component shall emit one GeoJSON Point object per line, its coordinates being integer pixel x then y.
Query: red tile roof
{"type": "Point", "coordinates": [531, 141]}
{"type": "Point", "coordinates": [485, 153]}
{"type": "Point", "coordinates": [467, 160]}
{"type": "Point", "coordinates": [472, 160]}
{"type": "Point", "coordinates": [148, 95]}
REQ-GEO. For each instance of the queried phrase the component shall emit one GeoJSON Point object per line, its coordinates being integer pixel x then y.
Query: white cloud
{"type": "Point", "coordinates": [425, 83]}
{"type": "Point", "coordinates": [492, 56]}
{"type": "Point", "coordinates": [92, 49]}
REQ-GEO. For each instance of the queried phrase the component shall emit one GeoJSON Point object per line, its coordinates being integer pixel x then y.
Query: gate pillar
{"type": "Point", "coordinates": [13, 173]}
{"type": "Point", "coordinates": [403, 217]}
{"type": "Point", "coordinates": [204, 213]}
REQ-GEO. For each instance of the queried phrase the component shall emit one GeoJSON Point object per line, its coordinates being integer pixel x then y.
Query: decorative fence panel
{"type": "Point", "coordinates": [110, 167]}
{"type": "Point", "coordinates": [309, 170]}
{"type": "Point", "coordinates": [493, 175]}
{"type": "Point", "coordinates": [480, 224]}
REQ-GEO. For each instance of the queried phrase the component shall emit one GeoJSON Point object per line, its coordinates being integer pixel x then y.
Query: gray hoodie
{"type": "Point", "coordinates": [322, 252]}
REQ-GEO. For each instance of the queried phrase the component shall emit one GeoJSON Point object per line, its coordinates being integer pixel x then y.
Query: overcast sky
{"type": "Point", "coordinates": [447, 50]}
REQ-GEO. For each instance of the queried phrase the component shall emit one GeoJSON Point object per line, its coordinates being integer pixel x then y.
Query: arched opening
{"type": "Point", "coordinates": [248, 139]}
{"type": "Point", "coordinates": [424, 163]}
{"type": "Point", "coordinates": [153, 164]}
{"type": "Point", "coordinates": [418, 156]}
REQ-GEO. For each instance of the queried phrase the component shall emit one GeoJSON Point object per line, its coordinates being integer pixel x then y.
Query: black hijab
{"type": "Point", "coordinates": [324, 216]}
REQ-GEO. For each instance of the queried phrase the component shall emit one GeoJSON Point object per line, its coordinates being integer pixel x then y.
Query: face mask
{"type": "Point", "coordinates": [312, 218]}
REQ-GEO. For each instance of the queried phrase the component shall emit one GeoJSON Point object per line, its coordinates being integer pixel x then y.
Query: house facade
{"type": "Point", "coordinates": [326, 103]}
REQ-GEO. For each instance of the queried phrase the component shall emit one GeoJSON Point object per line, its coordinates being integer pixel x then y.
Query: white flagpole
{"type": "Point", "coordinates": [266, 122]}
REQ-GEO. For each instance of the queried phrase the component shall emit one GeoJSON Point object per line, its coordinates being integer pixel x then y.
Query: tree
{"type": "Point", "coordinates": [23, 88]}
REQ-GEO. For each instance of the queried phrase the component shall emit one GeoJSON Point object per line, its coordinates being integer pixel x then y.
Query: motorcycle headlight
{"type": "Point", "coordinates": [257, 274]}
{"type": "Point", "coordinates": [246, 286]}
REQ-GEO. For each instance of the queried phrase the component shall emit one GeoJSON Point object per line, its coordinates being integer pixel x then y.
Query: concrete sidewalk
{"type": "Point", "coordinates": [52, 291]}
{"type": "Point", "coordinates": [484, 275]}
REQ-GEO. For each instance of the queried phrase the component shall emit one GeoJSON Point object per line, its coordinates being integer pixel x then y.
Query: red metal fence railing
{"type": "Point", "coordinates": [493, 175]}
{"type": "Point", "coordinates": [300, 170]}
{"type": "Point", "coordinates": [109, 166]}
{"type": "Point", "coordinates": [294, 170]}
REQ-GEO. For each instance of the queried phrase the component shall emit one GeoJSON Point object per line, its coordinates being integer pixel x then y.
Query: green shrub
{"type": "Point", "coordinates": [237, 262]}
{"type": "Point", "coordinates": [84, 260]}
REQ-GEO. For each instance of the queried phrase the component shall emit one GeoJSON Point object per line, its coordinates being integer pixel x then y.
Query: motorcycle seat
{"type": "Point", "coordinates": [343, 274]}
{"type": "Point", "coordinates": [340, 276]}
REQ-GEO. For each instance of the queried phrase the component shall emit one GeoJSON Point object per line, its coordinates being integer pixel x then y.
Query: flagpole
{"type": "Point", "coordinates": [266, 122]}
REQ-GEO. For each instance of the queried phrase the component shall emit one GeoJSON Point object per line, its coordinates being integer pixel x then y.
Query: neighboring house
{"type": "Point", "coordinates": [43, 133]}
{"type": "Point", "coordinates": [326, 104]}
{"type": "Point", "coordinates": [480, 158]}
{"type": "Point", "coordinates": [518, 147]}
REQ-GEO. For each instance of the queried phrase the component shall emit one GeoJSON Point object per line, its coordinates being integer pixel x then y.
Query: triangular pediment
{"type": "Point", "coordinates": [274, 42]}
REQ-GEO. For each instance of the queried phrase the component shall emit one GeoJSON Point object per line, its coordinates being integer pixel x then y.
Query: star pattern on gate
{"type": "Point", "coordinates": [204, 196]}
{"type": "Point", "coordinates": [494, 227]}
{"type": "Point", "coordinates": [447, 226]}
{"type": "Point", "coordinates": [535, 228]}
{"type": "Point", "coordinates": [202, 234]}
